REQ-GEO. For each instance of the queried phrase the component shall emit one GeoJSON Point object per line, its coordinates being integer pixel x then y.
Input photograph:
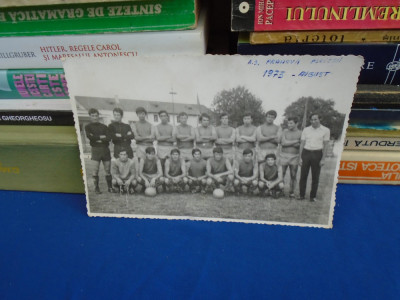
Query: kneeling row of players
{"type": "Point", "coordinates": [197, 175]}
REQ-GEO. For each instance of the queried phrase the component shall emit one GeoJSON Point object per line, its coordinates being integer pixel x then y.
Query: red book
{"type": "Point", "coordinates": [274, 15]}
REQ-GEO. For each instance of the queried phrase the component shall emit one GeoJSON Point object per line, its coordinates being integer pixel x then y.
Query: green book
{"type": "Point", "coordinates": [33, 84]}
{"type": "Point", "coordinates": [82, 18]}
{"type": "Point", "coordinates": [40, 158]}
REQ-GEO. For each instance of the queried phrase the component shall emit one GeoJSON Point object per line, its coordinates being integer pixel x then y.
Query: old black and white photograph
{"type": "Point", "coordinates": [253, 139]}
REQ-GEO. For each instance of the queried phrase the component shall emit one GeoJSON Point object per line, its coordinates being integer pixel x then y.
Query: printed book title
{"type": "Point", "coordinates": [265, 13]}
{"type": "Point", "coordinates": [76, 13]}
{"type": "Point", "coordinates": [47, 85]}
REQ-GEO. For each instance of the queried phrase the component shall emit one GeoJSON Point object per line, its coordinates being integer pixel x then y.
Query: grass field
{"type": "Point", "coordinates": [230, 207]}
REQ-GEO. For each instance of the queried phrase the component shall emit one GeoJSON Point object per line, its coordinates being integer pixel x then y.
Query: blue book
{"type": "Point", "coordinates": [381, 61]}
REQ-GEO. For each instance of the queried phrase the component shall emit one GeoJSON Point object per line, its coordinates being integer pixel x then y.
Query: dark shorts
{"type": "Point", "coordinates": [101, 154]}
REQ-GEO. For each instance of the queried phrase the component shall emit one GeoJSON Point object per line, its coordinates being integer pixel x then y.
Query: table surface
{"type": "Point", "coordinates": [50, 249]}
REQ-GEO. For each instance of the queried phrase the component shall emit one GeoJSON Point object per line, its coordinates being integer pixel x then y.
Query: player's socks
{"type": "Point", "coordinates": [96, 184]}
{"type": "Point", "coordinates": [109, 183]}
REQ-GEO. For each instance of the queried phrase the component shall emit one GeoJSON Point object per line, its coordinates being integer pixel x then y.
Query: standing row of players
{"type": "Point", "coordinates": [307, 148]}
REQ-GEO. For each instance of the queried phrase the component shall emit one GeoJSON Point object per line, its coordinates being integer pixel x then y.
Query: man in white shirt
{"type": "Point", "coordinates": [313, 148]}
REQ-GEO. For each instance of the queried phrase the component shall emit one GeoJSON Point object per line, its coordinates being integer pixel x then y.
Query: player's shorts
{"type": "Point", "coordinates": [178, 186]}
{"type": "Point", "coordinates": [141, 151]}
{"type": "Point", "coordinates": [278, 187]}
{"type": "Point", "coordinates": [229, 154]}
{"type": "Point", "coordinates": [261, 153]}
{"type": "Point", "coordinates": [193, 183]}
{"type": "Point", "coordinates": [186, 154]}
{"type": "Point", "coordinates": [215, 182]}
{"type": "Point", "coordinates": [159, 181]}
{"type": "Point", "coordinates": [251, 186]}
{"type": "Point", "coordinates": [249, 183]}
{"type": "Point", "coordinates": [164, 151]}
{"type": "Point", "coordinates": [101, 154]}
{"type": "Point", "coordinates": [133, 183]}
{"type": "Point", "coordinates": [289, 159]}
{"type": "Point", "coordinates": [118, 148]}
{"type": "Point", "coordinates": [206, 153]}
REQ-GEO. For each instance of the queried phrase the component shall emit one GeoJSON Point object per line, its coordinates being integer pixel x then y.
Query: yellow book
{"type": "Point", "coordinates": [331, 36]}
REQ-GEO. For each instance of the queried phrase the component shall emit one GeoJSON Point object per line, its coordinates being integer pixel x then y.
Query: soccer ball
{"type": "Point", "coordinates": [150, 192]}
{"type": "Point", "coordinates": [218, 193]}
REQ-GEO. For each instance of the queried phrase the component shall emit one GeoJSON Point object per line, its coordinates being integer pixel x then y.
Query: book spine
{"type": "Point", "coordinates": [84, 18]}
{"type": "Point", "coordinates": [337, 36]}
{"type": "Point", "coordinates": [372, 143]}
{"type": "Point", "coordinates": [42, 168]}
{"type": "Point", "coordinates": [369, 172]}
{"type": "Point", "coordinates": [33, 84]}
{"type": "Point", "coordinates": [37, 117]}
{"type": "Point", "coordinates": [374, 115]}
{"type": "Point", "coordinates": [272, 15]}
{"type": "Point", "coordinates": [381, 61]}
{"type": "Point", "coordinates": [48, 51]}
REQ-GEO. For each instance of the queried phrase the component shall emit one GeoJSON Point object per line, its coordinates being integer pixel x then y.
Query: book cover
{"type": "Point", "coordinates": [33, 84]}
{"type": "Point", "coordinates": [48, 51]}
{"type": "Point", "coordinates": [370, 167]}
{"type": "Point", "coordinates": [272, 15]}
{"type": "Point", "coordinates": [40, 158]}
{"type": "Point", "coordinates": [84, 18]}
{"type": "Point", "coordinates": [381, 61]}
{"type": "Point", "coordinates": [325, 36]}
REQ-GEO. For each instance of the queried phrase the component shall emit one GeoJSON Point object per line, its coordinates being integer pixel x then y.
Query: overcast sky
{"type": "Point", "coordinates": [153, 78]}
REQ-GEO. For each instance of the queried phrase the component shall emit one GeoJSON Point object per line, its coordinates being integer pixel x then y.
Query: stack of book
{"type": "Point", "coordinates": [39, 148]}
{"type": "Point", "coordinates": [340, 27]}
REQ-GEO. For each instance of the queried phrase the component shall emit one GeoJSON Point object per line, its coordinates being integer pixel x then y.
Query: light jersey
{"type": "Point", "coordinates": [246, 131]}
{"type": "Point", "coordinates": [218, 167]}
{"type": "Point", "coordinates": [150, 166]}
{"type": "Point", "coordinates": [204, 131]}
{"type": "Point", "coordinates": [143, 129]}
{"type": "Point", "coordinates": [175, 168]}
{"type": "Point", "coordinates": [270, 173]}
{"type": "Point", "coordinates": [123, 169]}
{"type": "Point", "coordinates": [268, 130]}
{"type": "Point", "coordinates": [246, 169]}
{"type": "Point", "coordinates": [165, 130]}
{"type": "Point", "coordinates": [184, 130]}
{"type": "Point", "coordinates": [197, 168]}
{"type": "Point", "coordinates": [224, 132]}
{"type": "Point", "coordinates": [291, 135]}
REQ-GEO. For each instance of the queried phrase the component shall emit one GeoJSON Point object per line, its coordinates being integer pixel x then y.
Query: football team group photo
{"type": "Point", "coordinates": [238, 157]}
{"type": "Point", "coordinates": [213, 138]}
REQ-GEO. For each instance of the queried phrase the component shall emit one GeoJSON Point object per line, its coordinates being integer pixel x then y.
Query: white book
{"type": "Point", "coordinates": [35, 104]}
{"type": "Point", "coordinates": [47, 51]}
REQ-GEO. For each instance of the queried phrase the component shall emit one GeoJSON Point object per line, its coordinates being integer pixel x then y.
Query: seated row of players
{"type": "Point", "coordinates": [197, 175]}
{"type": "Point", "coordinates": [185, 138]}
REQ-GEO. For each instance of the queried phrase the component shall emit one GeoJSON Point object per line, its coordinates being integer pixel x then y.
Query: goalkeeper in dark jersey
{"type": "Point", "coordinates": [121, 134]}
{"type": "Point", "coordinates": [99, 137]}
